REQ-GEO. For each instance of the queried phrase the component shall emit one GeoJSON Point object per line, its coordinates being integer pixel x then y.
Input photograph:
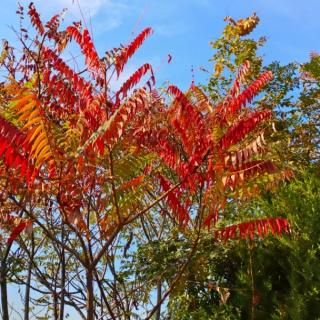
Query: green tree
{"type": "Point", "coordinates": [270, 278]}
{"type": "Point", "coordinates": [210, 280]}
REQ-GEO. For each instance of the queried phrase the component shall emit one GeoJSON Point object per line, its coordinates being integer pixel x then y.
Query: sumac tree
{"type": "Point", "coordinates": [88, 165]}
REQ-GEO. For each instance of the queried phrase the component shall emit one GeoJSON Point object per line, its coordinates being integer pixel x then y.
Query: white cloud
{"type": "Point", "coordinates": [88, 7]}
{"type": "Point", "coordinates": [93, 7]}
{"type": "Point", "coordinates": [113, 11]}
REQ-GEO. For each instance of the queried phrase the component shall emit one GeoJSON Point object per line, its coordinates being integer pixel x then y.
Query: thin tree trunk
{"type": "Point", "coordinates": [27, 293]}
{"type": "Point", "coordinates": [55, 304]}
{"type": "Point", "coordinates": [90, 295]}
{"type": "Point", "coordinates": [28, 284]}
{"type": "Point", "coordinates": [159, 294]}
{"type": "Point", "coordinates": [63, 276]}
{"type": "Point", "coordinates": [4, 293]}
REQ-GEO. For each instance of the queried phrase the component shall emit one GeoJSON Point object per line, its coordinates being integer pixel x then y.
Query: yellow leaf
{"type": "Point", "coordinates": [35, 132]}
{"type": "Point", "coordinates": [218, 68]}
{"type": "Point", "coordinates": [45, 153]}
{"type": "Point", "coordinates": [38, 140]}
{"type": "Point", "coordinates": [27, 107]}
{"type": "Point", "coordinates": [17, 104]}
{"type": "Point", "coordinates": [26, 115]}
{"type": "Point", "coordinates": [40, 146]}
{"type": "Point", "coordinates": [33, 114]}
{"type": "Point", "coordinates": [31, 122]}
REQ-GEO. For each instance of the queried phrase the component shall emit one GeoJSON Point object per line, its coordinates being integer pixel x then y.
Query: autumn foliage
{"type": "Point", "coordinates": [100, 159]}
{"type": "Point", "coordinates": [64, 124]}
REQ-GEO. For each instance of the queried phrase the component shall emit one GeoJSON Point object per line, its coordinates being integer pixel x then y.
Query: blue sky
{"type": "Point", "coordinates": [184, 29]}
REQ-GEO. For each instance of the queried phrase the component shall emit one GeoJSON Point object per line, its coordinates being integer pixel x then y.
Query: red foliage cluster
{"type": "Point", "coordinates": [243, 70]}
{"type": "Point", "coordinates": [53, 23]}
{"type": "Point", "coordinates": [18, 229]}
{"type": "Point", "coordinates": [255, 147]}
{"type": "Point", "coordinates": [35, 19]}
{"type": "Point", "coordinates": [81, 86]}
{"type": "Point", "coordinates": [248, 229]}
{"type": "Point", "coordinates": [246, 171]}
{"type": "Point", "coordinates": [112, 129]}
{"type": "Point", "coordinates": [191, 136]}
{"type": "Point", "coordinates": [173, 201]}
{"type": "Point", "coordinates": [16, 226]}
{"type": "Point", "coordinates": [87, 47]}
{"type": "Point", "coordinates": [191, 127]}
{"type": "Point", "coordinates": [244, 126]}
{"type": "Point", "coordinates": [187, 146]}
{"type": "Point", "coordinates": [128, 51]}
{"type": "Point", "coordinates": [234, 104]}
{"type": "Point", "coordinates": [133, 80]}
{"type": "Point", "coordinates": [12, 146]}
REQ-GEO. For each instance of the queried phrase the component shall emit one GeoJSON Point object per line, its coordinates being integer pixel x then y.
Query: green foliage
{"type": "Point", "coordinates": [232, 49]}
{"type": "Point", "coordinates": [308, 128]}
{"type": "Point", "coordinates": [277, 278]}
{"type": "Point", "coordinates": [274, 278]}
